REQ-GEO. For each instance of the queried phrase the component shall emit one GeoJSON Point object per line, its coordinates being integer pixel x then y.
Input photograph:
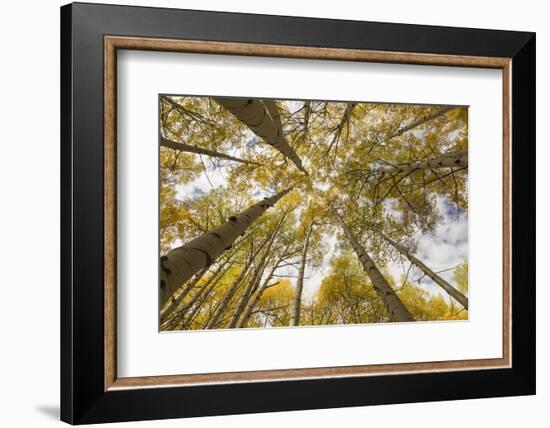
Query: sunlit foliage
{"type": "Point", "coordinates": [345, 150]}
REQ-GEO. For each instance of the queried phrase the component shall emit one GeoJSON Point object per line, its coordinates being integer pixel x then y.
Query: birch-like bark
{"type": "Point", "coordinates": [220, 310]}
{"type": "Point", "coordinates": [393, 304]}
{"type": "Point", "coordinates": [182, 147]}
{"type": "Point", "coordinates": [297, 302]}
{"type": "Point", "coordinates": [254, 301]}
{"type": "Point", "coordinates": [254, 283]}
{"type": "Point", "coordinates": [457, 295]}
{"type": "Point", "coordinates": [179, 295]}
{"type": "Point", "coordinates": [198, 306]}
{"type": "Point", "coordinates": [181, 263]}
{"type": "Point", "coordinates": [418, 122]}
{"type": "Point", "coordinates": [232, 290]}
{"type": "Point", "coordinates": [176, 299]}
{"type": "Point", "coordinates": [258, 294]}
{"type": "Point", "coordinates": [172, 320]}
{"type": "Point", "coordinates": [263, 119]}
{"type": "Point", "coordinates": [458, 159]}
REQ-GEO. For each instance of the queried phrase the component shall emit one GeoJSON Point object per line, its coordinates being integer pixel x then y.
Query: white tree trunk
{"type": "Point", "coordinates": [219, 311]}
{"type": "Point", "coordinates": [418, 122]}
{"type": "Point", "coordinates": [256, 278]}
{"type": "Point", "coordinates": [263, 119]}
{"type": "Point", "coordinates": [257, 295]}
{"type": "Point", "coordinates": [169, 321]}
{"type": "Point", "coordinates": [198, 307]}
{"type": "Point", "coordinates": [458, 159]}
{"type": "Point", "coordinates": [181, 263]}
{"type": "Point", "coordinates": [179, 295]}
{"type": "Point", "coordinates": [457, 295]}
{"type": "Point", "coordinates": [182, 147]}
{"type": "Point", "coordinates": [297, 302]}
{"type": "Point", "coordinates": [252, 285]}
{"type": "Point", "coordinates": [393, 304]}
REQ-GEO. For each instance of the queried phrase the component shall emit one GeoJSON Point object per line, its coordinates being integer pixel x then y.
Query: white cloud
{"type": "Point", "coordinates": [443, 248]}
{"type": "Point", "coordinates": [313, 279]}
{"type": "Point", "coordinates": [201, 185]}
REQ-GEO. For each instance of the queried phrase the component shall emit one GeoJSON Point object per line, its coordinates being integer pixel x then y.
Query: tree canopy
{"type": "Point", "coordinates": [277, 213]}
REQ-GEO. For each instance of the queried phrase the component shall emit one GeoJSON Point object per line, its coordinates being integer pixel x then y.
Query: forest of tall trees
{"type": "Point", "coordinates": [298, 213]}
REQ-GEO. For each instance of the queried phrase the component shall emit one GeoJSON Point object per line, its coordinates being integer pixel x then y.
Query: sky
{"type": "Point", "coordinates": [442, 249]}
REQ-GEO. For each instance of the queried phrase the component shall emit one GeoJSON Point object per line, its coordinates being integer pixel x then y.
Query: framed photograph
{"type": "Point", "coordinates": [265, 213]}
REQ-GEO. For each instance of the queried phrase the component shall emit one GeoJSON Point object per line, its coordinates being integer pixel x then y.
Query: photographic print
{"type": "Point", "coordinates": [284, 213]}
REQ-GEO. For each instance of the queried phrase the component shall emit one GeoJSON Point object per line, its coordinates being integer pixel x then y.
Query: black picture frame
{"type": "Point", "coordinates": [83, 398]}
